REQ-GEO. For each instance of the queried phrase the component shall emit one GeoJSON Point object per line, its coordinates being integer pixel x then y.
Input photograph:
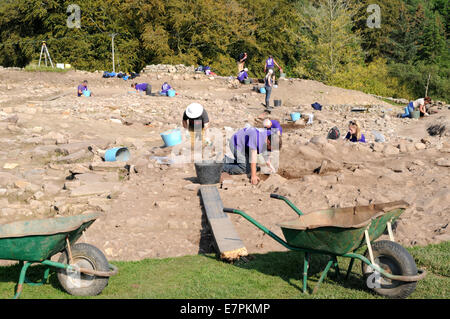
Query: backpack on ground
{"type": "Point", "coordinates": [334, 133]}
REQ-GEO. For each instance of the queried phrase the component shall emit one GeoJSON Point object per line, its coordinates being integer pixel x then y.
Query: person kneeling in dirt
{"type": "Point", "coordinates": [354, 132]}
{"type": "Point", "coordinates": [418, 104]}
{"type": "Point", "coordinates": [425, 107]}
{"type": "Point", "coordinates": [145, 87]}
{"type": "Point", "coordinates": [242, 76]}
{"type": "Point", "coordinates": [245, 145]}
{"type": "Point", "coordinates": [165, 89]}
{"type": "Point", "coordinates": [196, 120]}
{"type": "Point", "coordinates": [273, 125]}
{"type": "Point", "coordinates": [83, 87]}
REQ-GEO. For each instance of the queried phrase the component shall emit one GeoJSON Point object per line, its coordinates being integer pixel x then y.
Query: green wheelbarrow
{"type": "Point", "coordinates": [387, 267]}
{"type": "Point", "coordinates": [82, 269]}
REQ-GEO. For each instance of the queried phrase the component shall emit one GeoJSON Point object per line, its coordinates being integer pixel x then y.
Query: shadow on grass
{"type": "Point", "coordinates": [289, 267]}
{"type": "Point", "coordinates": [34, 274]}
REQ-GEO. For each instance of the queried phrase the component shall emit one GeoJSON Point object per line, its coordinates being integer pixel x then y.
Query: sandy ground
{"type": "Point", "coordinates": [153, 210]}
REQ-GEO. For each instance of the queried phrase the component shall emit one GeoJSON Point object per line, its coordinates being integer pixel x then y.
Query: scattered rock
{"type": "Point", "coordinates": [420, 146]}
{"type": "Point", "coordinates": [443, 162]}
{"type": "Point", "coordinates": [390, 150]}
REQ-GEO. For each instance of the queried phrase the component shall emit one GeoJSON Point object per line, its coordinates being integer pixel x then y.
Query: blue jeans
{"type": "Point", "coordinates": [408, 109]}
{"type": "Point", "coordinates": [268, 92]}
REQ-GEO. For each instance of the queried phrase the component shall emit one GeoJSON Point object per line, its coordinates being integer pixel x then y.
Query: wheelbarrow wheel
{"type": "Point", "coordinates": [80, 284]}
{"type": "Point", "coordinates": [394, 259]}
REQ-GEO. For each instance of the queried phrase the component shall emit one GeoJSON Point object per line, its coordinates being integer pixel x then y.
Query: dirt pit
{"type": "Point", "coordinates": [151, 207]}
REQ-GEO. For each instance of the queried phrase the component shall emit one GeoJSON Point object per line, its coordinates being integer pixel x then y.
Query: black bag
{"type": "Point", "coordinates": [334, 133]}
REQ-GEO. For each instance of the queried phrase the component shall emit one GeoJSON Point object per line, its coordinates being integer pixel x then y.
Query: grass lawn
{"type": "Point", "coordinates": [274, 275]}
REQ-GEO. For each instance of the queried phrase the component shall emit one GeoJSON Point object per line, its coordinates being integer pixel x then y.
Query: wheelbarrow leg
{"type": "Point", "coordinates": [305, 272]}
{"type": "Point", "coordinates": [336, 266]}
{"type": "Point", "coordinates": [324, 273]}
{"type": "Point", "coordinates": [23, 272]}
{"type": "Point", "coordinates": [349, 270]}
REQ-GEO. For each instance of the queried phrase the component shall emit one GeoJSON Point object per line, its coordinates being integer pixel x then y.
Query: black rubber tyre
{"type": "Point", "coordinates": [84, 256]}
{"type": "Point", "coordinates": [396, 260]}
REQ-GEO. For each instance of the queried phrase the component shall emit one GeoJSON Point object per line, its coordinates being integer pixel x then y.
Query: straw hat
{"type": "Point", "coordinates": [194, 110]}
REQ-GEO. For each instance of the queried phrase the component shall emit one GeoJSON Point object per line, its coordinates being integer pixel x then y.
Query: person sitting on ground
{"type": "Point", "coordinates": [273, 125]}
{"type": "Point", "coordinates": [269, 81]}
{"type": "Point", "coordinates": [243, 75]}
{"type": "Point", "coordinates": [270, 64]}
{"type": "Point", "coordinates": [165, 89]}
{"type": "Point", "coordinates": [245, 145]}
{"type": "Point", "coordinates": [82, 87]}
{"type": "Point", "coordinates": [141, 87]}
{"type": "Point", "coordinates": [354, 133]}
{"type": "Point", "coordinates": [196, 120]}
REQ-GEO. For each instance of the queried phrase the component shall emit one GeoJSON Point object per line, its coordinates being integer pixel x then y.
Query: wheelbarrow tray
{"type": "Point", "coordinates": [338, 231]}
{"type": "Point", "coordinates": [39, 239]}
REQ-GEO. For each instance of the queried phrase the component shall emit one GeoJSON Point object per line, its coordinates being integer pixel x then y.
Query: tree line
{"type": "Point", "coordinates": [384, 47]}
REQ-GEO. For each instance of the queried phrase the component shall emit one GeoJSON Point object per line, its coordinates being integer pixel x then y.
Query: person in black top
{"type": "Point", "coordinates": [196, 120]}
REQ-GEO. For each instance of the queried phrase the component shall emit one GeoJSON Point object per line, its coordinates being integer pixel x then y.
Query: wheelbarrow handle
{"type": "Point", "coordinates": [287, 201]}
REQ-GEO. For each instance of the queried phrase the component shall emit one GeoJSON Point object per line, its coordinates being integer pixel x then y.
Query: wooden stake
{"type": "Point", "coordinates": [389, 227]}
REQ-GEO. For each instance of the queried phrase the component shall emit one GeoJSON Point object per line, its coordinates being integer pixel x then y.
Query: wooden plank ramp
{"type": "Point", "coordinates": [227, 241]}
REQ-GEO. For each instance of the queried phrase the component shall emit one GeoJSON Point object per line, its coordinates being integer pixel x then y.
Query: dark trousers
{"type": "Point", "coordinates": [268, 92]}
{"type": "Point", "coordinates": [240, 164]}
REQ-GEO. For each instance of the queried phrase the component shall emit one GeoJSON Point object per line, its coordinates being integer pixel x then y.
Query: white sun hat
{"type": "Point", "coordinates": [194, 110]}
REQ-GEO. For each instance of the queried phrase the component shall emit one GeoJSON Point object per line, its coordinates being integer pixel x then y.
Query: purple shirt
{"type": "Point", "coordinates": [275, 126]}
{"type": "Point", "coordinates": [242, 76]}
{"type": "Point", "coordinates": [353, 138]}
{"type": "Point", "coordinates": [141, 86]}
{"type": "Point", "coordinates": [165, 87]}
{"type": "Point", "coordinates": [250, 138]}
{"type": "Point", "coordinates": [270, 63]}
{"type": "Point", "coordinates": [82, 88]}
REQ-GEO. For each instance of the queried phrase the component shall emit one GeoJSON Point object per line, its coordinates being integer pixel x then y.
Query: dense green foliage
{"type": "Point", "coordinates": [325, 40]}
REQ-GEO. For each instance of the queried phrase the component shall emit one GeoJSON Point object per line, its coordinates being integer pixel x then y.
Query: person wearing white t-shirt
{"type": "Point", "coordinates": [417, 104]}
{"type": "Point", "coordinates": [420, 103]}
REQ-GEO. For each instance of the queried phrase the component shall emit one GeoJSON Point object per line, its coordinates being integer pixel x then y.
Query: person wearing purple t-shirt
{"type": "Point", "coordinates": [245, 145]}
{"type": "Point", "coordinates": [82, 87]}
{"type": "Point", "coordinates": [270, 64]}
{"type": "Point", "coordinates": [145, 87]}
{"type": "Point", "coordinates": [273, 126]}
{"type": "Point", "coordinates": [165, 88]}
{"type": "Point", "coordinates": [243, 75]}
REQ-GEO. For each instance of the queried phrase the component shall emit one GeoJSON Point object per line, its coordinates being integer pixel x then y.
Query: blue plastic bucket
{"type": "Point", "coordinates": [121, 154]}
{"type": "Point", "coordinates": [171, 93]}
{"type": "Point", "coordinates": [172, 137]}
{"type": "Point", "coordinates": [295, 116]}
{"type": "Point", "coordinates": [262, 90]}
{"type": "Point", "coordinates": [87, 93]}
